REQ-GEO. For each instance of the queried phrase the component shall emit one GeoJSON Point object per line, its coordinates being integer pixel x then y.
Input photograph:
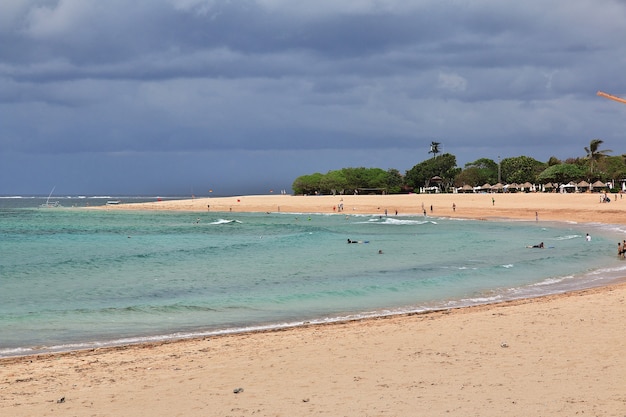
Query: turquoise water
{"type": "Point", "coordinates": [72, 278]}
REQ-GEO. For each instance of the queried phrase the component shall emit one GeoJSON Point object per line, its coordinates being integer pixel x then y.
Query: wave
{"type": "Point", "coordinates": [399, 222]}
{"type": "Point", "coordinates": [567, 237]}
{"type": "Point", "coordinates": [225, 221]}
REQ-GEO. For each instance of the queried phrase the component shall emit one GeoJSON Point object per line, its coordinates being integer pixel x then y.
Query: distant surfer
{"type": "Point", "coordinates": [540, 246]}
{"type": "Point", "coordinates": [358, 241]}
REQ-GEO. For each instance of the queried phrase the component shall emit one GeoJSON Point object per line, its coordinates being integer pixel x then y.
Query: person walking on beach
{"type": "Point", "coordinates": [453, 207]}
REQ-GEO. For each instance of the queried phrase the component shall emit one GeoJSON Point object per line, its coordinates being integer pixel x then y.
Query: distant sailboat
{"type": "Point", "coordinates": [48, 203]}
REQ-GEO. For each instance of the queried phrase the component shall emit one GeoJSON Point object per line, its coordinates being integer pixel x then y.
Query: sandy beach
{"type": "Point", "coordinates": [560, 355]}
{"type": "Point", "coordinates": [579, 207]}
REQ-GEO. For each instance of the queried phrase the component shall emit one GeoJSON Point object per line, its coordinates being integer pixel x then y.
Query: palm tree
{"type": "Point", "coordinates": [434, 148]}
{"type": "Point", "coordinates": [593, 154]}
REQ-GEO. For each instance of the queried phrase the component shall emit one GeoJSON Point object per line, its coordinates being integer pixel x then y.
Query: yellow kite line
{"type": "Point", "coordinates": [609, 96]}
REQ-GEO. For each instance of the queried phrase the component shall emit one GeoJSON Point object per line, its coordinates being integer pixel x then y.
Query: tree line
{"type": "Point", "coordinates": [441, 170]}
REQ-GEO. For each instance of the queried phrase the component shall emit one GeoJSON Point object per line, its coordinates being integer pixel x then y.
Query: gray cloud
{"type": "Point", "coordinates": [345, 82]}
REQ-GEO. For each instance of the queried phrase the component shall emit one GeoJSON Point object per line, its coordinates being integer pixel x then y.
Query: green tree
{"type": "Point", "coordinates": [353, 177]}
{"type": "Point", "coordinates": [307, 184]}
{"type": "Point", "coordinates": [395, 180]}
{"type": "Point", "coordinates": [333, 182]}
{"type": "Point", "coordinates": [561, 174]}
{"type": "Point", "coordinates": [520, 169]}
{"type": "Point", "coordinates": [478, 172]}
{"type": "Point", "coordinates": [348, 179]}
{"type": "Point", "coordinates": [613, 167]}
{"type": "Point", "coordinates": [553, 161]}
{"type": "Point", "coordinates": [421, 174]}
{"type": "Point", "coordinates": [373, 178]}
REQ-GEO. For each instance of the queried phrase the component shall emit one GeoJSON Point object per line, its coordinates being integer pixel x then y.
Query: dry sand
{"type": "Point", "coordinates": [560, 355]}
{"type": "Point", "coordinates": [548, 206]}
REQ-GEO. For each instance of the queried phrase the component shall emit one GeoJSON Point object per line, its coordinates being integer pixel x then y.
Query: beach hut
{"type": "Point", "coordinates": [528, 186]}
{"type": "Point", "coordinates": [497, 188]}
{"type": "Point", "coordinates": [511, 188]}
{"type": "Point", "coordinates": [598, 186]}
{"type": "Point", "coordinates": [582, 186]}
{"type": "Point", "coordinates": [466, 189]}
{"type": "Point", "coordinates": [569, 187]}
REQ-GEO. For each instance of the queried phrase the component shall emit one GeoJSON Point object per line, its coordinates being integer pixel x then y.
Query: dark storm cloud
{"type": "Point", "coordinates": [87, 79]}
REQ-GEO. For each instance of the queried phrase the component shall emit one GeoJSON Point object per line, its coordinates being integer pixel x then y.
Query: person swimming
{"type": "Point", "coordinates": [540, 246]}
{"type": "Point", "coordinates": [358, 241]}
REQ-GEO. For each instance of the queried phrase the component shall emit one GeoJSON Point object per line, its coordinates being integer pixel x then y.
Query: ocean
{"type": "Point", "coordinates": [74, 278]}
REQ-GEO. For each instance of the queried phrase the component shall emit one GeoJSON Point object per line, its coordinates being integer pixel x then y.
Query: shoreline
{"type": "Point", "coordinates": [618, 284]}
{"type": "Point", "coordinates": [557, 354]}
{"type": "Point", "coordinates": [199, 334]}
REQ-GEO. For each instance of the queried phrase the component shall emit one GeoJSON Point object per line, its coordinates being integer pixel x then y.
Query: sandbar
{"type": "Point", "coordinates": [573, 207]}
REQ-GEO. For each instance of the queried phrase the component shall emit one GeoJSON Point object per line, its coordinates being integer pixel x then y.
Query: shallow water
{"type": "Point", "coordinates": [72, 278]}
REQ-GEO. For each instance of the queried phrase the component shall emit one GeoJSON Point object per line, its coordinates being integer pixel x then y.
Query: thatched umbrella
{"type": "Point", "coordinates": [497, 187]}
{"type": "Point", "coordinates": [582, 186]}
{"type": "Point", "coordinates": [512, 188]}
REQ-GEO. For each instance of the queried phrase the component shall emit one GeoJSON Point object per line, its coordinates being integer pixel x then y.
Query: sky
{"type": "Point", "coordinates": [218, 97]}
